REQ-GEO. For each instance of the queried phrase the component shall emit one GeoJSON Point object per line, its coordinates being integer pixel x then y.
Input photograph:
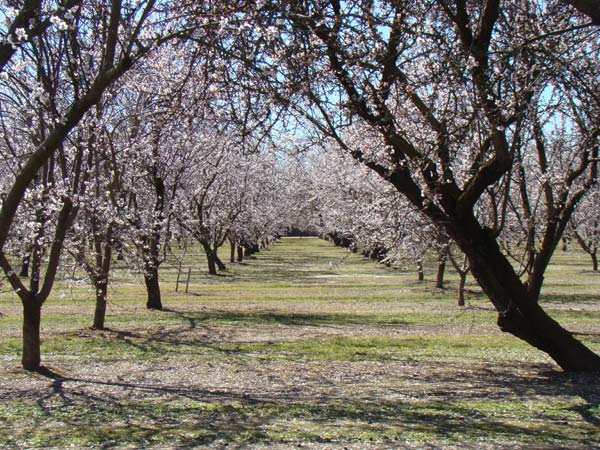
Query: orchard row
{"type": "Point", "coordinates": [126, 125]}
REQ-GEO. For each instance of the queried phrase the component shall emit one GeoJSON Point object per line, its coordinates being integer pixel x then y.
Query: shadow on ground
{"type": "Point", "coordinates": [97, 413]}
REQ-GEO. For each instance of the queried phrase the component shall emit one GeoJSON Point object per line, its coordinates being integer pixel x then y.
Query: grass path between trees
{"type": "Point", "coordinates": [304, 346]}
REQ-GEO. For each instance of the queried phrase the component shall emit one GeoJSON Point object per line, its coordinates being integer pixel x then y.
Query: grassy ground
{"type": "Point", "coordinates": [305, 345]}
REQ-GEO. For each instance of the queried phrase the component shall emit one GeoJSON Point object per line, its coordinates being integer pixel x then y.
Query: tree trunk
{"type": "Point", "coordinates": [219, 263]}
{"type": "Point", "coordinates": [25, 266]}
{"type": "Point", "coordinates": [212, 267]}
{"type": "Point", "coordinates": [590, 248]}
{"type": "Point", "coordinates": [519, 312]}
{"type": "Point", "coordinates": [240, 253]}
{"type": "Point", "coordinates": [547, 335]}
{"type": "Point", "coordinates": [232, 252]}
{"type": "Point", "coordinates": [153, 289]}
{"type": "Point", "coordinates": [439, 280]}
{"type": "Point", "coordinates": [461, 288]}
{"type": "Point", "coordinates": [32, 313]}
{"type": "Point", "coordinates": [101, 286]}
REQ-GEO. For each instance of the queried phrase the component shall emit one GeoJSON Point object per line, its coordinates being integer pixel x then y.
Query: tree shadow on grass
{"type": "Point", "coordinates": [276, 318]}
{"type": "Point", "coordinates": [570, 299]}
{"type": "Point", "coordinates": [112, 413]}
{"type": "Point", "coordinates": [86, 409]}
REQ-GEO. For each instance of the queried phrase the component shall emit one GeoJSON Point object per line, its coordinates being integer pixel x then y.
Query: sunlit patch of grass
{"type": "Point", "coordinates": [426, 348]}
{"type": "Point", "coordinates": [124, 347]}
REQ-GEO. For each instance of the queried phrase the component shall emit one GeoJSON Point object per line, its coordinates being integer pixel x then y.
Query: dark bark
{"type": "Point", "coordinates": [212, 267]}
{"type": "Point", "coordinates": [219, 263]}
{"type": "Point", "coordinates": [52, 141]}
{"type": "Point", "coordinates": [232, 252]}
{"type": "Point", "coordinates": [240, 253]}
{"type": "Point", "coordinates": [153, 289]}
{"type": "Point", "coordinates": [24, 272]}
{"type": "Point", "coordinates": [99, 272]}
{"type": "Point", "coordinates": [462, 269]}
{"type": "Point", "coordinates": [28, 18]}
{"type": "Point", "coordinates": [101, 286]}
{"type": "Point", "coordinates": [32, 312]}
{"type": "Point", "coordinates": [439, 279]}
{"type": "Point", "coordinates": [251, 249]}
{"type": "Point", "coordinates": [28, 13]}
{"type": "Point", "coordinates": [590, 248]}
{"type": "Point", "coordinates": [441, 270]}
{"type": "Point", "coordinates": [33, 298]}
{"type": "Point", "coordinates": [519, 312]}
{"type": "Point", "coordinates": [211, 257]}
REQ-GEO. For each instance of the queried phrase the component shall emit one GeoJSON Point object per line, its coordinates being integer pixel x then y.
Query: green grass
{"type": "Point", "coordinates": [303, 344]}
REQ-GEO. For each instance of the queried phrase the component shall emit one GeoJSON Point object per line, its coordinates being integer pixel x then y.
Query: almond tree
{"type": "Point", "coordinates": [159, 151]}
{"type": "Point", "coordinates": [586, 226]}
{"type": "Point", "coordinates": [456, 100]}
{"type": "Point", "coordinates": [94, 235]}
{"type": "Point", "coordinates": [460, 262]}
{"type": "Point", "coordinates": [217, 192]}
{"type": "Point", "coordinates": [63, 62]}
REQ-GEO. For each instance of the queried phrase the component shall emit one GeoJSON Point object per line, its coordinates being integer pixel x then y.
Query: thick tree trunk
{"type": "Point", "coordinates": [153, 289]}
{"type": "Point", "coordinates": [101, 286]}
{"type": "Point", "coordinates": [212, 267]}
{"type": "Point", "coordinates": [32, 313]}
{"type": "Point", "coordinates": [441, 270]}
{"type": "Point", "coordinates": [240, 253]}
{"type": "Point", "coordinates": [547, 335]}
{"type": "Point", "coordinates": [232, 252]}
{"type": "Point", "coordinates": [219, 263]}
{"type": "Point", "coordinates": [461, 288]}
{"type": "Point", "coordinates": [594, 261]}
{"type": "Point", "coordinates": [518, 310]}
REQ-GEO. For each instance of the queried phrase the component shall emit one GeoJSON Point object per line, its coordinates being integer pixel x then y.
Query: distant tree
{"type": "Point", "coordinates": [215, 196]}
{"type": "Point", "coordinates": [460, 262]}
{"type": "Point", "coordinates": [586, 226]}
